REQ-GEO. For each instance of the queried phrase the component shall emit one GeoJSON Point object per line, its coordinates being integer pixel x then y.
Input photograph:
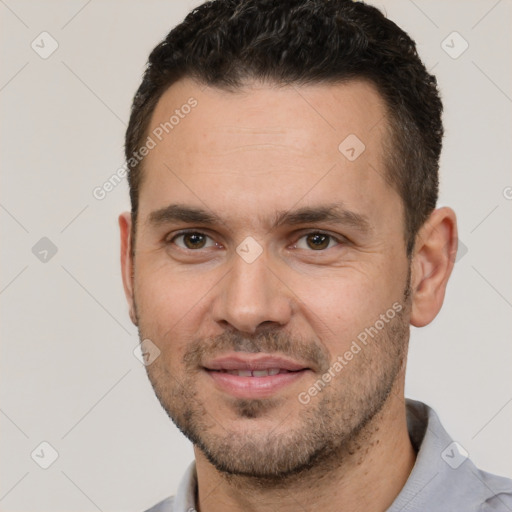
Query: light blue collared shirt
{"type": "Point", "coordinates": [443, 479]}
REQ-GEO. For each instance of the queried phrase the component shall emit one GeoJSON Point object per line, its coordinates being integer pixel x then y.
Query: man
{"type": "Point", "coordinates": [283, 236]}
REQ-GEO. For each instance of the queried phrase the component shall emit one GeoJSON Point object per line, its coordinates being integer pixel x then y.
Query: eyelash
{"type": "Point", "coordinates": [339, 240]}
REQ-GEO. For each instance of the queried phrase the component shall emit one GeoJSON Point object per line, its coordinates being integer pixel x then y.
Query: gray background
{"type": "Point", "coordinates": [68, 373]}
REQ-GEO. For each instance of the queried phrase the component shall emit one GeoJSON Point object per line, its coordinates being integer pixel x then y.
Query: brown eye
{"type": "Point", "coordinates": [193, 240]}
{"type": "Point", "coordinates": [318, 241]}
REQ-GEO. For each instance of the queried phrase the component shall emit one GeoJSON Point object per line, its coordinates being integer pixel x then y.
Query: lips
{"type": "Point", "coordinates": [254, 362]}
{"type": "Point", "coordinates": [254, 375]}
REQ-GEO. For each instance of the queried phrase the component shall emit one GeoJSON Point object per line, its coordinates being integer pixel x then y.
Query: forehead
{"type": "Point", "coordinates": [264, 145]}
{"type": "Point", "coordinates": [304, 115]}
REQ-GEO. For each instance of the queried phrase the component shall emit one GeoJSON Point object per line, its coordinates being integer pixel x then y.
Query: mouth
{"type": "Point", "coordinates": [254, 375]}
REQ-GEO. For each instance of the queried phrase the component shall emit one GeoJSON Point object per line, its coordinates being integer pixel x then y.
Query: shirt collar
{"type": "Point", "coordinates": [185, 500]}
{"type": "Point", "coordinates": [443, 478]}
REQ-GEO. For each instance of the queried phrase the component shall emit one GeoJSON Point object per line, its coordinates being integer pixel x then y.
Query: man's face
{"type": "Point", "coordinates": [271, 282]}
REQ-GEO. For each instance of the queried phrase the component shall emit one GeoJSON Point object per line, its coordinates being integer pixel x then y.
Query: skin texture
{"type": "Point", "coordinates": [247, 156]}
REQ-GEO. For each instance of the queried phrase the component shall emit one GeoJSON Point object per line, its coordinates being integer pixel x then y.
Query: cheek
{"type": "Point", "coordinates": [340, 307]}
{"type": "Point", "coordinates": [167, 304]}
{"type": "Point", "coordinates": [335, 313]}
{"type": "Point", "coordinates": [157, 298]}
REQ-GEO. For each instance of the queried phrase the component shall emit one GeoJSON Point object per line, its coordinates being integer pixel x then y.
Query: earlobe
{"type": "Point", "coordinates": [432, 264]}
{"type": "Point", "coordinates": [125, 226]}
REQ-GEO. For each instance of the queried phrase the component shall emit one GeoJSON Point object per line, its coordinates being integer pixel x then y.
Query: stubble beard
{"type": "Point", "coordinates": [333, 428]}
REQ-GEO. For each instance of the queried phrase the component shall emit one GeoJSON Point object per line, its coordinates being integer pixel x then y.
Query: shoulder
{"type": "Point", "coordinates": [497, 491]}
{"type": "Point", "coordinates": [166, 505]}
{"type": "Point", "coordinates": [443, 478]}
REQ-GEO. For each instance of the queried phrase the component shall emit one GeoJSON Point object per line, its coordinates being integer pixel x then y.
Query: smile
{"type": "Point", "coordinates": [255, 373]}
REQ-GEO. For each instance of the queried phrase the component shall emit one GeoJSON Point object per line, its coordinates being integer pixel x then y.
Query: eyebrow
{"type": "Point", "coordinates": [334, 213]}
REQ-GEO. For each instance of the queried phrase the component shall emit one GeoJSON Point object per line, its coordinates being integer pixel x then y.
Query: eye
{"type": "Point", "coordinates": [316, 241]}
{"type": "Point", "coordinates": [192, 240]}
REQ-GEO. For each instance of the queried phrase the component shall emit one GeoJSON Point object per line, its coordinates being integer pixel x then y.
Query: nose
{"type": "Point", "coordinates": [251, 297]}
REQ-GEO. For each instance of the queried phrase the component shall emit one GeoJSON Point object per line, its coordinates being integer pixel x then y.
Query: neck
{"type": "Point", "coordinates": [368, 475]}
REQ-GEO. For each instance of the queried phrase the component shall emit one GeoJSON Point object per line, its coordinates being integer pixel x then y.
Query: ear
{"type": "Point", "coordinates": [432, 264]}
{"type": "Point", "coordinates": [125, 226]}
